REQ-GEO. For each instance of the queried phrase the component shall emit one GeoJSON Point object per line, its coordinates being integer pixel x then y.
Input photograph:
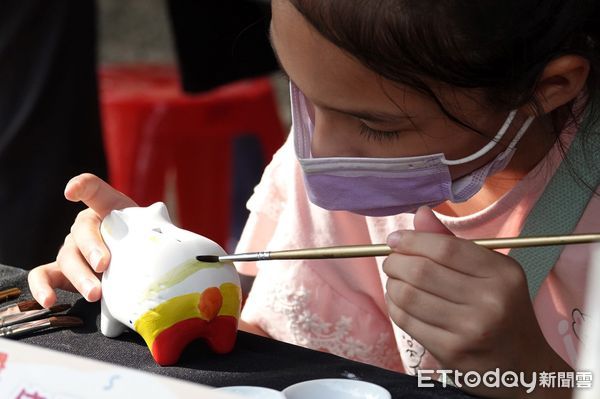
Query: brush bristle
{"type": "Point", "coordinates": [65, 321]}
{"type": "Point", "coordinates": [207, 258]}
{"type": "Point", "coordinates": [60, 308]}
{"type": "Point", "coordinates": [29, 305]}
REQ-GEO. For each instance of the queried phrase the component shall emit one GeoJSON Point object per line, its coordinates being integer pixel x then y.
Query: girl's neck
{"type": "Point", "coordinates": [493, 189]}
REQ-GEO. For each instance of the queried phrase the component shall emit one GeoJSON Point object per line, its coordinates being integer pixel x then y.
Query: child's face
{"type": "Point", "coordinates": [348, 99]}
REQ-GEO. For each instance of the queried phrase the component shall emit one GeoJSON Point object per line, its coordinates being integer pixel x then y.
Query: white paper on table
{"type": "Point", "coordinates": [31, 372]}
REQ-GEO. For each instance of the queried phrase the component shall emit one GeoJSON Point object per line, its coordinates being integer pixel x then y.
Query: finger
{"type": "Point", "coordinates": [423, 306]}
{"type": "Point", "coordinates": [427, 335]}
{"type": "Point", "coordinates": [43, 280]}
{"type": "Point", "coordinates": [75, 268]}
{"type": "Point", "coordinates": [85, 232]}
{"type": "Point", "coordinates": [426, 221]}
{"type": "Point", "coordinates": [96, 194]}
{"type": "Point", "coordinates": [455, 253]}
{"type": "Point", "coordinates": [428, 276]}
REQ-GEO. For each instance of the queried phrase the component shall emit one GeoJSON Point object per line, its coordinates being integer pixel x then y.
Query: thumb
{"type": "Point", "coordinates": [426, 221]}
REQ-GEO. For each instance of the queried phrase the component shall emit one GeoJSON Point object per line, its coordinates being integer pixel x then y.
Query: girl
{"type": "Point", "coordinates": [469, 107]}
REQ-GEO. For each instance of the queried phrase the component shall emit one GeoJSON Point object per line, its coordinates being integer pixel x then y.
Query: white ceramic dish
{"type": "Point", "coordinates": [248, 391]}
{"type": "Point", "coordinates": [336, 388]}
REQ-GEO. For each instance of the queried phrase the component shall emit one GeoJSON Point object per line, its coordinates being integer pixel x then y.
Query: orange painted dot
{"type": "Point", "coordinates": [210, 302]}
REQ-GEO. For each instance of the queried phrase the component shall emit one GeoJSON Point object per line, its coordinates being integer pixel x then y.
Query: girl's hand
{"type": "Point", "coordinates": [83, 256]}
{"type": "Point", "coordinates": [469, 306]}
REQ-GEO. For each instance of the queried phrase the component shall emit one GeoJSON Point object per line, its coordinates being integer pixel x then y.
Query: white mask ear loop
{"type": "Point", "coordinates": [492, 143]}
{"type": "Point", "coordinates": [520, 133]}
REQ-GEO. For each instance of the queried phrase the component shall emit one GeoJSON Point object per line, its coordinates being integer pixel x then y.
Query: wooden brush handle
{"type": "Point", "coordinates": [353, 251]}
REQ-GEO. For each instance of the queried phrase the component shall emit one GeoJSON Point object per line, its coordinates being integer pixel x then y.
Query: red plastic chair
{"type": "Point", "coordinates": [155, 134]}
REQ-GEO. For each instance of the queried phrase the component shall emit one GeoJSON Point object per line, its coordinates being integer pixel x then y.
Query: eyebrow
{"type": "Point", "coordinates": [364, 115]}
{"type": "Point", "coordinates": [372, 116]}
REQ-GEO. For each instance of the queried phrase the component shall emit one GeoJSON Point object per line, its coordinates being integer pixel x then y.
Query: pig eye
{"type": "Point", "coordinates": [157, 229]}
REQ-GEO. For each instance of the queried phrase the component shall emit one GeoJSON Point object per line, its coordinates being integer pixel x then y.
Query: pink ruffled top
{"type": "Point", "coordinates": [338, 306]}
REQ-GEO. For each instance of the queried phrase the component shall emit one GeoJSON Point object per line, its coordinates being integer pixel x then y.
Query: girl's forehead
{"type": "Point", "coordinates": [312, 62]}
{"type": "Point", "coordinates": [327, 75]}
{"type": "Point", "coordinates": [332, 78]}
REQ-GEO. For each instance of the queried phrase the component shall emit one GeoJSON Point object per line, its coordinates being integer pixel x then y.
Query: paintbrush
{"type": "Point", "coordinates": [31, 315]}
{"type": "Point", "coordinates": [19, 307]}
{"type": "Point", "coordinates": [9, 294]}
{"type": "Point", "coordinates": [42, 324]}
{"type": "Point", "coordinates": [358, 251]}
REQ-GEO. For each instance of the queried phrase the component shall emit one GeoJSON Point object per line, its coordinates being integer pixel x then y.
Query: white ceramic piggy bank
{"type": "Point", "coordinates": [155, 286]}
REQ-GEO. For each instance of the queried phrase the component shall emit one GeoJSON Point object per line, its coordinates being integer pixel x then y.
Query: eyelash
{"type": "Point", "coordinates": [378, 135]}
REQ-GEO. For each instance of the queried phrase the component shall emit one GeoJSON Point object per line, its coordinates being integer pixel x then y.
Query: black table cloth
{"type": "Point", "coordinates": [254, 361]}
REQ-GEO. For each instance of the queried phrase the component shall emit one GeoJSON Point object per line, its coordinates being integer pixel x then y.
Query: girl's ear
{"type": "Point", "coordinates": [561, 81]}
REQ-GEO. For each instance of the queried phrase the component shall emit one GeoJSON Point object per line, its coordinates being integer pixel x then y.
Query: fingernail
{"type": "Point", "coordinates": [95, 259]}
{"type": "Point", "coordinates": [71, 189]}
{"type": "Point", "coordinates": [43, 298]}
{"type": "Point", "coordinates": [394, 239]}
{"type": "Point", "coordinates": [87, 286]}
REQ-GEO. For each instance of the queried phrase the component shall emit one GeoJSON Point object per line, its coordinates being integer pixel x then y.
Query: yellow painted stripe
{"type": "Point", "coordinates": [184, 307]}
{"type": "Point", "coordinates": [178, 274]}
{"type": "Point", "coordinates": [156, 320]}
{"type": "Point", "coordinates": [232, 300]}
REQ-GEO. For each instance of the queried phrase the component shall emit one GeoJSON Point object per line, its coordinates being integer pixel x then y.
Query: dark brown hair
{"type": "Point", "coordinates": [500, 47]}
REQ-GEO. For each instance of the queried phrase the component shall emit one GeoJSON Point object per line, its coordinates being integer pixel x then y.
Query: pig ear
{"type": "Point", "coordinates": [114, 226]}
{"type": "Point", "coordinates": [160, 210]}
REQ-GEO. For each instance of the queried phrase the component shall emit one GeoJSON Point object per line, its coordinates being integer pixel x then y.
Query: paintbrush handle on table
{"type": "Point", "coordinates": [357, 251]}
{"type": "Point", "coordinates": [37, 325]}
{"type": "Point", "coordinates": [9, 293]}
{"type": "Point", "coordinates": [19, 307]}
{"type": "Point", "coordinates": [11, 319]}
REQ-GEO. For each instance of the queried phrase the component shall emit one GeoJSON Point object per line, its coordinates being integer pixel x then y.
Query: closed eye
{"type": "Point", "coordinates": [378, 135]}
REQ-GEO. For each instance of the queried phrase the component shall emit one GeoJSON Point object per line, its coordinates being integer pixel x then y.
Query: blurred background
{"type": "Point", "coordinates": [133, 31]}
{"type": "Point", "coordinates": [178, 101]}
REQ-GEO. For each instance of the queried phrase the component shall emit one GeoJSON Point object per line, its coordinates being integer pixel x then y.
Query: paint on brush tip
{"type": "Point", "coordinates": [207, 258]}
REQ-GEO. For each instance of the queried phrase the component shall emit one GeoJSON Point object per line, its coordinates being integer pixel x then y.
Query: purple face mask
{"type": "Point", "coordinates": [388, 186]}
